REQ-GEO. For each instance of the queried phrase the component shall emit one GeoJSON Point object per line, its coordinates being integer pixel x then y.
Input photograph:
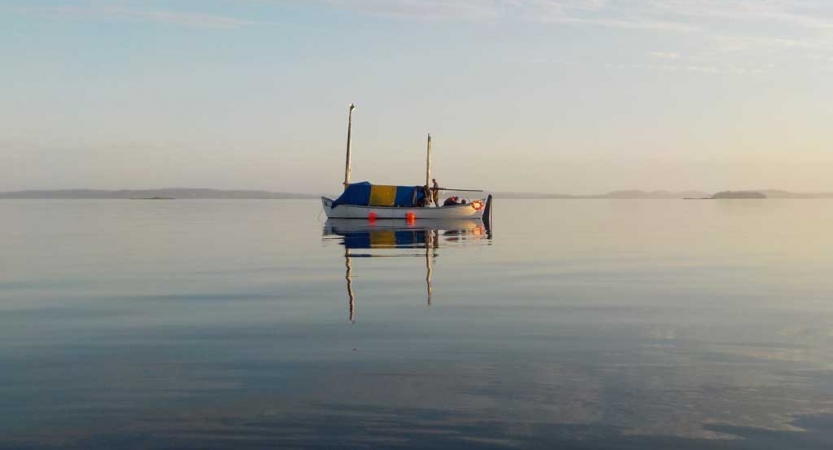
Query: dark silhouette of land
{"type": "Point", "coordinates": [739, 195]}
{"type": "Point", "coordinates": [773, 193]}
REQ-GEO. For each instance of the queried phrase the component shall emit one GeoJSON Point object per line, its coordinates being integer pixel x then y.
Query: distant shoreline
{"type": "Point", "coordinates": [152, 194]}
{"type": "Point", "coordinates": [219, 194]}
{"type": "Point", "coordinates": [733, 195]}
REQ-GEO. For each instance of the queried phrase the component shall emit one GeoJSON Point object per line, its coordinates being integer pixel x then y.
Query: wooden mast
{"type": "Point", "coordinates": [428, 163]}
{"type": "Point", "coordinates": [347, 168]}
{"type": "Point", "coordinates": [428, 170]}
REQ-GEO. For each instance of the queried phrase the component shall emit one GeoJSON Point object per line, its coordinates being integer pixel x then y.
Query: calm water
{"type": "Point", "coordinates": [577, 324]}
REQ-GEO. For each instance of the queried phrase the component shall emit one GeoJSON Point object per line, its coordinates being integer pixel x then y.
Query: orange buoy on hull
{"type": "Point", "coordinates": [410, 217]}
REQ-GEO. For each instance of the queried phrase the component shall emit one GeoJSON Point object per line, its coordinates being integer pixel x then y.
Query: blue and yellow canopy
{"type": "Point", "coordinates": [366, 194]}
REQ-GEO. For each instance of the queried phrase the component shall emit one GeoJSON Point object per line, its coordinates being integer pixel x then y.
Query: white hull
{"type": "Point", "coordinates": [466, 211]}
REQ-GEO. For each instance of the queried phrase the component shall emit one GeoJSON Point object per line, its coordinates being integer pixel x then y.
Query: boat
{"type": "Point", "coordinates": [364, 200]}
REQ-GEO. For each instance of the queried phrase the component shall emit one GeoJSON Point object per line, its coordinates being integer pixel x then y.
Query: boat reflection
{"type": "Point", "coordinates": [383, 237]}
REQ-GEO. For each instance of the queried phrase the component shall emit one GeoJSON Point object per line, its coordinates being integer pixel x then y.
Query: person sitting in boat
{"type": "Point", "coordinates": [450, 201]}
{"type": "Point", "coordinates": [435, 192]}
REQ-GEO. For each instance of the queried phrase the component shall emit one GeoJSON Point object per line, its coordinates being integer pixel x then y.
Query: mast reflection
{"type": "Point", "coordinates": [349, 277]}
{"type": "Point", "coordinates": [382, 236]}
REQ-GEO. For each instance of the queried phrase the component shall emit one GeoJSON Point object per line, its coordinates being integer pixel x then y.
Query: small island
{"type": "Point", "coordinates": [152, 198]}
{"type": "Point", "coordinates": [738, 195]}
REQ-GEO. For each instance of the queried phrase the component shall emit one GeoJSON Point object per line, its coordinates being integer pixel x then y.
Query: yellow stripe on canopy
{"type": "Point", "coordinates": [382, 195]}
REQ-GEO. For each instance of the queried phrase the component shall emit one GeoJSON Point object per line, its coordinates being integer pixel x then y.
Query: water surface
{"type": "Point", "coordinates": [580, 324]}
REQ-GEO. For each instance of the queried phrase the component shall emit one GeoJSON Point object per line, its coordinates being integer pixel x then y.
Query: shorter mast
{"type": "Point", "coordinates": [428, 169]}
{"type": "Point", "coordinates": [347, 168]}
{"type": "Point", "coordinates": [428, 163]}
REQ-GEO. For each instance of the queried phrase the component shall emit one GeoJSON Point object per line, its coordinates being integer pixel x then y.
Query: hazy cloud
{"type": "Point", "coordinates": [131, 11]}
{"type": "Point", "coordinates": [665, 55]}
{"type": "Point", "coordinates": [803, 13]}
{"type": "Point", "coordinates": [709, 16]}
{"type": "Point", "coordinates": [432, 9]}
{"type": "Point", "coordinates": [671, 66]}
{"type": "Point", "coordinates": [660, 14]}
{"type": "Point", "coordinates": [720, 25]}
{"type": "Point", "coordinates": [742, 43]}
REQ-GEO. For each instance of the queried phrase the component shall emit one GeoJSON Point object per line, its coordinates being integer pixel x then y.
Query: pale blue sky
{"type": "Point", "coordinates": [529, 95]}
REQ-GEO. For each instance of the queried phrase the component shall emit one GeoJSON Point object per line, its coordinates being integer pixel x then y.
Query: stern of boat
{"type": "Point", "coordinates": [487, 211]}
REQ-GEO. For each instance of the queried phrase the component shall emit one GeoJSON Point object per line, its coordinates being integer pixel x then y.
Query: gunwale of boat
{"type": "Point", "coordinates": [458, 211]}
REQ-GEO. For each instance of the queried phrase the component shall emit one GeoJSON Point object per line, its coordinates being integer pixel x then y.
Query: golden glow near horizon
{"type": "Point", "coordinates": [561, 96]}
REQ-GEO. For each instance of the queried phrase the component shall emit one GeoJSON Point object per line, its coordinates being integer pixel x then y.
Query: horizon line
{"type": "Point", "coordinates": [538, 193]}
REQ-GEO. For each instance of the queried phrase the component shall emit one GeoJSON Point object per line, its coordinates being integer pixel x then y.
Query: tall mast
{"type": "Point", "coordinates": [349, 143]}
{"type": "Point", "coordinates": [428, 163]}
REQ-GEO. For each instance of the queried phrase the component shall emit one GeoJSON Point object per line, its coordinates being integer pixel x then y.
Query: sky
{"type": "Point", "coordinates": [556, 96]}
